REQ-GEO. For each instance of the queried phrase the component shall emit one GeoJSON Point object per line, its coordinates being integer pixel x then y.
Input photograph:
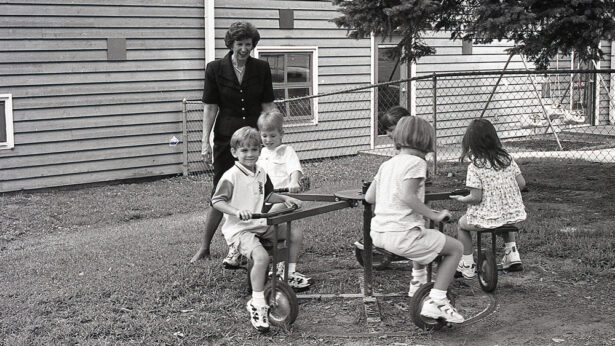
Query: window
{"type": "Point", "coordinates": [294, 73]}
{"type": "Point", "coordinates": [6, 122]}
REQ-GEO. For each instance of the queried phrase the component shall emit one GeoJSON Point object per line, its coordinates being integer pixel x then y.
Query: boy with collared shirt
{"type": "Point", "coordinates": [242, 191]}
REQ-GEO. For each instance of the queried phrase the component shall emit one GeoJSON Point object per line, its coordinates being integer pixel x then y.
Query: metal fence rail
{"type": "Point", "coordinates": [561, 114]}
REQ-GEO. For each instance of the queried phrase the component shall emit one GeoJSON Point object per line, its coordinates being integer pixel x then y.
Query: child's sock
{"type": "Point", "coordinates": [292, 267]}
{"type": "Point", "coordinates": [468, 259]}
{"type": "Point", "coordinates": [258, 298]}
{"type": "Point", "coordinates": [510, 245]}
{"type": "Point", "coordinates": [419, 275]}
{"type": "Point", "coordinates": [437, 295]}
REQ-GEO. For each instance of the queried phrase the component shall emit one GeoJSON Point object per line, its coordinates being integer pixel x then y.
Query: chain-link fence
{"type": "Point", "coordinates": [554, 114]}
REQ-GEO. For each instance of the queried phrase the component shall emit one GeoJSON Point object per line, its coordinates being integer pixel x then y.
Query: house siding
{"type": "Point", "coordinates": [79, 118]}
{"type": "Point", "coordinates": [343, 120]}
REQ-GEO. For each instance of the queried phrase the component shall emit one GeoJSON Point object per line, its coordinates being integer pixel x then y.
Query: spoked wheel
{"type": "Point", "coordinates": [419, 298]}
{"type": "Point", "coordinates": [283, 305]}
{"type": "Point", "coordinates": [379, 259]}
{"type": "Point", "coordinates": [488, 271]}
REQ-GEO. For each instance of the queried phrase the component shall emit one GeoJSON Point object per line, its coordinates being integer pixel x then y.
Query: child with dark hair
{"type": "Point", "coordinates": [389, 119]}
{"type": "Point", "coordinates": [495, 182]}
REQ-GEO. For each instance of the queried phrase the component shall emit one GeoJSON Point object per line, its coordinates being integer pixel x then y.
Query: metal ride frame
{"type": "Point", "coordinates": [342, 200]}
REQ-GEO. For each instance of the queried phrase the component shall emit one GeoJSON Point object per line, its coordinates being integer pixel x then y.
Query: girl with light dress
{"type": "Point", "coordinates": [495, 182]}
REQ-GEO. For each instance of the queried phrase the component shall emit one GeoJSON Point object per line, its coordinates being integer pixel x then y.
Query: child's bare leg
{"type": "Point", "coordinates": [464, 236]}
{"type": "Point", "coordinates": [451, 254]}
{"type": "Point", "coordinates": [212, 221]}
{"type": "Point", "coordinates": [260, 257]}
{"type": "Point", "coordinates": [294, 246]}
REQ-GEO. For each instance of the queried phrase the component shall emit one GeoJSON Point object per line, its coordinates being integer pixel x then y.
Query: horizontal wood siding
{"type": "Point", "coordinates": [80, 118]}
{"type": "Point", "coordinates": [344, 120]}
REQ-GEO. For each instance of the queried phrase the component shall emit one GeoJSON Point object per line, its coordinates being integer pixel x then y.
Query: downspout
{"type": "Point", "coordinates": [612, 85]}
{"type": "Point", "coordinates": [373, 105]}
{"type": "Point", "coordinates": [210, 30]}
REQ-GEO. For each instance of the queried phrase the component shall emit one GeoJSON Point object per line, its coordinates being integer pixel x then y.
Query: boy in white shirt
{"type": "Point", "coordinates": [282, 165]}
{"type": "Point", "coordinates": [242, 191]}
{"type": "Point", "coordinates": [279, 160]}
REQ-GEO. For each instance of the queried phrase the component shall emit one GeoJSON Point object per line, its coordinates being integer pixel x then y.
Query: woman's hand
{"type": "Point", "coordinates": [206, 153]}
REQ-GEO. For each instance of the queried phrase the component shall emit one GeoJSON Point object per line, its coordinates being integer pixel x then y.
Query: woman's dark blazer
{"type": "Point", "coordinates": [239, 104]}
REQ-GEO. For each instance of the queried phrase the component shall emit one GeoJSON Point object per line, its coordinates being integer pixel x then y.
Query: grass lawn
{"type": "Point", "coordinates": [109, 264]}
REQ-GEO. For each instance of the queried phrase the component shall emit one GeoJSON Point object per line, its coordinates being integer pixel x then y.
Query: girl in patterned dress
{"type": "Point", "coordinates": [495, 184]}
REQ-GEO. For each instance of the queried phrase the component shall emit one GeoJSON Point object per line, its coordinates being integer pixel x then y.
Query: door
{"type": "Point", "coordinates": [388, 68]}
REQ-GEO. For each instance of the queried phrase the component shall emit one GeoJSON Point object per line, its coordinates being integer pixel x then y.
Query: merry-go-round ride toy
{"type": "Point", "coordinates": [281, 298]}
{"type": "Point", "coordinates": [486, 266]}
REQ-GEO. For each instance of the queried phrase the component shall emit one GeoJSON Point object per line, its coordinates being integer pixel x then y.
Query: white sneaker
{"type": "Point", "coordinates": [258, 316]}
{"type": "Point", "coordinates": [299, 281]}
{"type": "Point", "coordinates": [444, 309]}
{"type": "Point", "coordinates": [414, 286]}
{"type": "Point", "coordinates": [468, 271]}
{"type": "Point", "coordinates": [511, 260]}
{"type": "Point", "coordinates": [232, 259]}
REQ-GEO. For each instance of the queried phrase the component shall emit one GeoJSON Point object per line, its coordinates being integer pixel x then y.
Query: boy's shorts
{"type": "Point", "coordinates": [245, 241]}
{"type": "Point", "coordinates": [418, 244]}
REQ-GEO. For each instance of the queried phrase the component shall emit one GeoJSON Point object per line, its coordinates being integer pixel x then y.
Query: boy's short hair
{"type": "Point", "coordinates": [414, 133]}
{"type": "Point", "coordinates": [245, 137]}
{"type": "Point", "coordinates": [271, 120]}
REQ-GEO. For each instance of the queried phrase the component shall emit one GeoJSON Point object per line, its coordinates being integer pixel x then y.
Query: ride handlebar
{"type": "Point", "coordinates": [275, 213]}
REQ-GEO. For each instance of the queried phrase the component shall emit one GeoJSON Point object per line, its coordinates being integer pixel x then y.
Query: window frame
{"type": "Point", "coordinates": [7, 99]}
{"type": "Point", "coordinates": [298, 49]}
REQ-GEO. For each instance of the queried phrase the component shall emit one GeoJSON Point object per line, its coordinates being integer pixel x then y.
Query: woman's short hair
{"type": "Point", "coordinates": [246, 137]}
{"type": "Point", "coordinates": [240, 31]}
{"type": "Point", "coordinates": [271, 120]}
{"type": "Point", "coordinates": [414, 133]}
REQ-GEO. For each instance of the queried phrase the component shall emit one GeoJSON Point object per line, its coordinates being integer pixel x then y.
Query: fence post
{"type": "Point", "coordinates": [435, 124]}
{"type": "Point", "coordinates": [184, 139]}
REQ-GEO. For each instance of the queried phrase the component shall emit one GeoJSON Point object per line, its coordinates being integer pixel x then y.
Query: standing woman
{"type": "Point", "coordinates": [237, 88]}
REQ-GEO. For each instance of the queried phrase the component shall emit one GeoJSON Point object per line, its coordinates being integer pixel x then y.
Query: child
{"type": "Point", "coordinates": [495, 184]}
{"type": "Point", "coordinates": [282, 165]}
{"type": "Point", "coordinates": [279, 160]}
{"type": "Point", "coordinates": [390, 118]}
{"type": "Point", "coordinates": [398, 191]}
{"type": "Point", "coordinates": [241, 192]}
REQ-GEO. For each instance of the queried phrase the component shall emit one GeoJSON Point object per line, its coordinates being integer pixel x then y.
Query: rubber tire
{"type": "Point", "coordinates": [488, 273]}
{"type": "Point", "coordinates": [416, 304]}
{"type": "Point", "coordinates": [284, 312]}
{"type": "Point", "coordinates": [379, 260]}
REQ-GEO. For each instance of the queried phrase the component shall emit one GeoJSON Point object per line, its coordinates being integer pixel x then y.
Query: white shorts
{"type": "Point", "coordinates": [418, 244]}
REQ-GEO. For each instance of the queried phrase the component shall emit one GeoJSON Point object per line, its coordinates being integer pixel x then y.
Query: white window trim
{"type": "Point", "coordinates": [299, 49]}
{"type": "Point", "coordinates": [8, 114]}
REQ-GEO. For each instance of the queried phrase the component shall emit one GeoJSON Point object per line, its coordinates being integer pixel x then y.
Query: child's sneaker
{"type": "Point", "coordinates": [299, 281]}
{"type": "Point", "coordinates": [511, 260]}
{"type": "Point", "coordinates": [232, 259]}
{"type": "Point", "coordinates": [467, 271]}
{"type": "Point", "coordinates": [445, 310]}
{"type": "Point", "coordinates": [414, 286]}
{"type": "Point", "coordinates": [258, 316]}
{"type": "Point", "coordinates": [279, 272]}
